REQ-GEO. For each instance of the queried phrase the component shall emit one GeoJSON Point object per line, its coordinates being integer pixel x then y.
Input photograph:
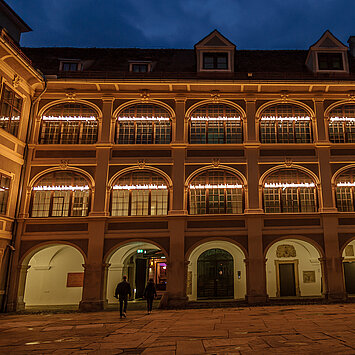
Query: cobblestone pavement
{"type": "Point", "coordinates": [310, 329]}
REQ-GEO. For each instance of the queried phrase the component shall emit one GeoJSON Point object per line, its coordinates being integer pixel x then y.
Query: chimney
{"type": "Point", "coordinates": [351, 42]}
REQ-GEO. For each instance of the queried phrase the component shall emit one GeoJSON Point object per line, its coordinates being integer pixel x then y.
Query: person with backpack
{"type": "Point", "coordinates": [149, 294]}
{"type": "Point", "coordinates": [123, 290]}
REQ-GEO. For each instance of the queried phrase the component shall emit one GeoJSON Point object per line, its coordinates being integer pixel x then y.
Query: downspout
{"type": "Point", "coordinates": [11, 247]}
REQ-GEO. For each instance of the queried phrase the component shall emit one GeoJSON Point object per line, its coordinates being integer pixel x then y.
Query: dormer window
{"type": "Point", "coordinates": [140, 67]}
{"type": "Point", "coordinates": [70, 65]}
{"type": "Point", "coordinates": [215, 61]}
{"type": "Point", "coordinates": [330, 61]}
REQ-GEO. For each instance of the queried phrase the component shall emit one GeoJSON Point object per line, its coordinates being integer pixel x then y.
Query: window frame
{"type": "Point", "coordinates": [4, 211]}
{"type": "Point", "coordinates": [147, 64]}
{"type": "Point", "coordinates": [328, 58]}
{"type": "Point", "coordinates": [342, 128]}
{"type": "Point", "coordinates": [215, 56]}
{"type": "Point", "coordinates": [70, 62]}
{"type": "Point", "coordinates": [347, 175]}
{"type": "Point", "coordinates": [12, 107]}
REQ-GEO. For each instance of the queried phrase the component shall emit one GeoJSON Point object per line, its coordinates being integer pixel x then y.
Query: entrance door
{"type": "Point", "coordinates": [141, 276]}
{"type": "Point", "coordinates": [349, 274]}
{"type": "Point", "coordinates": [215, 277]}
{"type": "Point", "coordinates": [287, 279]}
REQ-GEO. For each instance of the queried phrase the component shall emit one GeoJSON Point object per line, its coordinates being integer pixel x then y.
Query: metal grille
{"type": "Point", "coordinates": [144, 128]}
{"type": "Point", "coordinates": [10, 110]}
{"type": "Point", "coordinates": [55, 202]}
{"type": "Point", "coordinates": [213, 200]}
{"type": "Point", "coordinates": [69, 131]}
{"type": "Point", "coordinates": [210, 131]}
{"type": "Point", "coordinates": [283, 199]}
{"type": "Point", "coordinates": [285, 131]}
{"type": "Point", "coordinates": [133, 201]}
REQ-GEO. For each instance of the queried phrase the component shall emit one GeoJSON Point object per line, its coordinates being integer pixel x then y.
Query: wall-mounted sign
{"type": "Point", "coordinates": [75, 279]}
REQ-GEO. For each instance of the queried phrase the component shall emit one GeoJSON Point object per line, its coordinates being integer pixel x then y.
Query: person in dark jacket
{"type": "Point", "coordinates": [149, 293]}
{"type": "Point", "coordinates": [123, 290]}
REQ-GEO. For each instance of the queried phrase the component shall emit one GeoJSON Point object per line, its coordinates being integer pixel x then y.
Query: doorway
{"type": "Point", "coordinates": [349, 275]}
{"type": "Point", "coordinates": [287, 279]}
{"type": "Point", "coordinates": [215, 277]}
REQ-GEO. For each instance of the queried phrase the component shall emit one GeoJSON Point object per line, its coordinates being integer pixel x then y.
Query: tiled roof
{"type": "Point", "coordinates": [177, 63]}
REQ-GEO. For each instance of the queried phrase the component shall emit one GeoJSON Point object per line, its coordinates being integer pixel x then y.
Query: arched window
{"type": "Point", "coordinates": [285, 123]}
{"type": "Point", "coordinates": [289, 190]}
{"type": "Point", "coordinates": [345, 191]}
{"type": "Point", "coordinates": [342, 124]}
{"type": "Point", "coordinates": [69, 123]}
{"type": "Point", "coordinates": [140, 193]}
{"type": "Point", "coordinates": [60, 194]}
{"type": "Point", "coordinates": [216, 124]}
{"type": "Point", "coordinates": [216, 192]}
{"type": "Point", "coordinates": [144, 124]}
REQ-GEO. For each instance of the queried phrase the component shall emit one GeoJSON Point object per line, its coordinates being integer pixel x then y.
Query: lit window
{"type": "Point", "coordinates": [215, 61]}
{"type": "Point", "coordinates": [69, 123]}
{"type": "Point", "coordinates": [216, 124]}
{"type": "Point", "coordinates": [61, 194]}
{"type": "Point", "coordinates": [140, 194]}
{"type": "Point", "coordinates": [70, 66]}
{"type": "Point", "coordinates": [285, 124]}
{"type": "Point", "coordinates": [330, 61]}
{"type": "Point", "coordinates": [4, 192]}
{"type": "Point", "coordinates": [216, 192]}
{"type": "Point", "coordinates": [144, 124]}
{"type": "Point", "coordinates": [289, 190]}
{"type": "Point", "coordinates": [345, 191]}
{"type": "Point", "coordinates": [139, 67]}
{"type": "Point", "coordinates": [10, 110]}
{"type": "Point", "coordinates": [342, 124]}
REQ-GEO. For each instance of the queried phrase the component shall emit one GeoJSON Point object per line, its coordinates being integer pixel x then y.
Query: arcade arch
{"type": "Point", "coordinates": [54, 276]}
{"type": "Point", "coordinates": [349, 267]}
{"type": "Point", "coordinates": [293, 269]}
{"type": "Point", "coordinates": [216, 269]}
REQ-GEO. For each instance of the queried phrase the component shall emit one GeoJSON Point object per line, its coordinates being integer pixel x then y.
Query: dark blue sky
{"type": "Point", "coordinates": [250, 24]}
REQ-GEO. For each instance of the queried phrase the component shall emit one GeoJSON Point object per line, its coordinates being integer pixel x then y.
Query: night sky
{"type": "Point", "coordinates": [249, 24]}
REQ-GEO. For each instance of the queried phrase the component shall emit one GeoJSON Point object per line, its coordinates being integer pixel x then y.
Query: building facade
{"type": "Point", "coordinates": [220, 173]}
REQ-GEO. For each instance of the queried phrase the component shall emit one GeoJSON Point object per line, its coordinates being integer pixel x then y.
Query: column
{"type": "Point", "coordinates": [256, 270]}
{"type": "Point", "coordinates": [251, 136]}
{"type": "Point", "coordinates": [176, 286]}
{"type": "Point", "coordinates": [94, 269]}
{"type": "Point", "coordinates": [333, 267]}
{"type": "Point", "coordinates": [105, 133]}
{"type": "Point", "coordinates": [320, 135]}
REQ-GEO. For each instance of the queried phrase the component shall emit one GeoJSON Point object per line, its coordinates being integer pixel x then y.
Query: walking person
{"type": "Point", "coordinates": [123, 290]}
{"type": "Point", "coordinates": [149, 293]}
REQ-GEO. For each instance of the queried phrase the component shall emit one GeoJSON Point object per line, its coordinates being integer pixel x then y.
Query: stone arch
{"type": "Point", "coordinates": [51, 274]}
{"type": "Point", "coordinates": [122, 260]}
{"type": "Point", "coordinates": [287, 102]}
{"type": "Point", "coordinates": [65, 101]}
{"type": "Point", "coordinates": [336, 104]}
{"type": "Point", "coordinates": [220, 101]}
{"type": "Point", "coordinates": [239, 268]}
{"type": "Point", "coordinates": [294, 268]}
{"type": "Point", "coordinates": [348, 256]}
{"type": "Point", "coordinates": [340, 171]}
{"type": "Point", "coordinates": [150, 101]}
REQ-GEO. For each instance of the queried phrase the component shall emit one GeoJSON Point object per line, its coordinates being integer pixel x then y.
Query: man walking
{"type": "Point", "coordinates": [149, 293]}
{"type": "Point", "coordinates": [123, 290]}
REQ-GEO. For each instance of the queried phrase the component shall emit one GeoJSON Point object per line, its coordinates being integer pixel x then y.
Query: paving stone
{"type": "Point", "coordinates": [189, 347]}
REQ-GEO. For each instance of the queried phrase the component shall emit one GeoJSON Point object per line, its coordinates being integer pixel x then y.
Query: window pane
{"type": "Point", "coordinates": [162, 132]}
{"type": "Point", "coordinates": [267, 132]}
{"type": "Point", "coordinates": [307, 200]}
{"type": "Point", "coordinates": [126, 133]}
{"type": "Point", "coordinates": [80, 203]}
{"type": "Point", "coordinates": [10, 110]}
{"type": "Point", "coordinates": [120, 203]}
{"type": "Point", "coordinates": [215, 132]}
{"type": "Point", "coordinates": [198, 132]}
{"type": "Point", "coordinates": [144, 132]}
{"type": "Point", "coordinates": [50, 132]}
{"type": "Point", "coordinates": [159, 203]}
{"type": "Point", "coordinates": [70, 132]}
{"type": "Point", "coordinates": [88, 134]}
{"type": "Point", "coordinates": [336, 132]}
{"type": "Point", "coordinates": [41, 204]}
{"type": "Point", "coordinates": [303, 132]}
{"type": "Point", "coordinates": [140, 203]}
{"type": "Point", "coordinates": [289, 200]}
{"type": "Point", "coordinates": [216, 201]}
{"type": "Point", "coordinates": [4, 192]}
{"type": "Point", "coordinates": [272, 200]}
{"type": "Point", "coordinates": [344, 198]}
{"type": "Point", "coordinates": [61, 203]}
{"type": "Point", "coordinates": [198, 201]}
{"type": "Point", "coordinates": [285, 132]}
{"type": "Point", "coordinates": [350, 132]}
{"type": "Point", "coordinates": [234, 200]}
{"type": "Point", "coordinates": [234, 132]}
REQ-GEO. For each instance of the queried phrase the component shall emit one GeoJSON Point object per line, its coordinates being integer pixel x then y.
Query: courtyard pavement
{"type": "Point", "coordinates": [296, 329]}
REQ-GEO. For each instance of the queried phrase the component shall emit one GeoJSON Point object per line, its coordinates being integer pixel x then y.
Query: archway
{"type": "Point", "coordinates": [54, 277]}
{"type": "Point", "coordinates": [139, 261]}
{"type": "Point", "coordinates": [216, 270]}
{"type": "Point", "coordinates": [349, 267]}
{"type": "Point", "coordinates": [293, 269]}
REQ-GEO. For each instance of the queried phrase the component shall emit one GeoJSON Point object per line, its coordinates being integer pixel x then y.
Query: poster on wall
{"type": "Point", "coordinates": [75, 279]}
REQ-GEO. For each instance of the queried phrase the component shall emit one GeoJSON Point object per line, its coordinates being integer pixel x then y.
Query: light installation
{"type": "Point", "coordinates": [143, 118]}
{"type": "Point", "coordinates": [279, 118]}
{"type": "Point", "coordinates": [140, 187]}
{"type": "Point", "coordinates": [219, 186]}
{"type": "Point", "coordinates": [61, 188]}
{"type": "Point", "coordinates": [285, 185]}
{"type": "Point", "coordinates": [342, 119]}
{"type": "Point", "coordinates": [347, 183]}
{"type": "Point", "coordinates": [68, 118]}
{"type": "Point", "coordinates": [219, 118]}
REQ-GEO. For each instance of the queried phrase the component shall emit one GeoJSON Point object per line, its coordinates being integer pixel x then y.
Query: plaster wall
{"type": "Point", "coordinates": [308, 260]}
{"type": "Point", "coordinates": [46, 281]}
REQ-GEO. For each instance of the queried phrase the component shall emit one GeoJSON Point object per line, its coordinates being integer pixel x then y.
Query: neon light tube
{"type": "Point", "coordinates": [279, 118]}
{"type": "Point", "coordinates": [143, 118]}
{"type": "Point", "coordinates": [349, 119]}
{"type": "Point", "coordinates": [68, 118]}
{"type": "Point", "coordinates": [61, 188]}
{"type": "Point", "coordinates": [284, 185]}
{"type": "Point", "coordinates": [219, 186]}
{"type": "Point", "coordinates": [348, 183]}
{"type": "Point", "coordinates": [219, 118]}
{"type": "Point", "coordinates": [139, 187]}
